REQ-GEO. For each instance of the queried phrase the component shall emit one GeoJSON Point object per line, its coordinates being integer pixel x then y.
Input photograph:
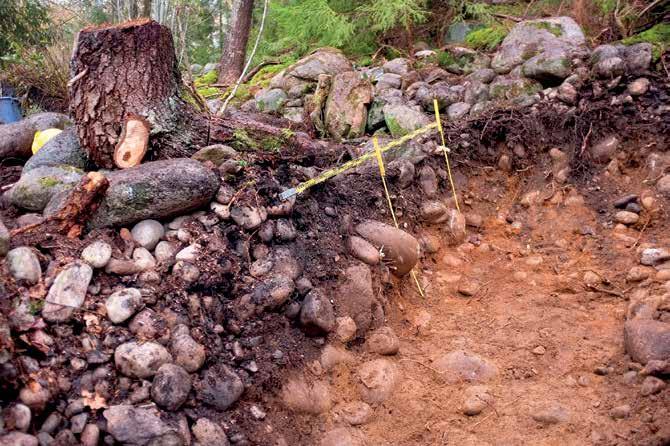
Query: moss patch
{"type": "Point", "coordinates": [552, 28]}
{"type": "Point", "coordinates": [394, 127]}
{"type": "Point", "coordinates": [487, 38]}
{"type": "Point", "coordinates": [49, 182]}
{"type": "Point", "coordinates": [658, 36]}
{"type": "Point", "coordinates": [243, 141]}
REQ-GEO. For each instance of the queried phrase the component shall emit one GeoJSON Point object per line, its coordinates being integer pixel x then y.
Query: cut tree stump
{"type": "Point", "coordinates": [125, 99]}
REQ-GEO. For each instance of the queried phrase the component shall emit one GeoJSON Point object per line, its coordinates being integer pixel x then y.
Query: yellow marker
{"type": "Point", "coordinates": [445, 150]}
{"type": "Point", "coordinates": [41, 138]}
{"type": "Point", "coordinates": [382, 172]}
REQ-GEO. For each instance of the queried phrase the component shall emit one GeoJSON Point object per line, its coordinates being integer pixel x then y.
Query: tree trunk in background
{"type": "Point", "coordinates": [146, 8]}
{"type": "Point", "coordinates": [122, 72]}
{"type": "Point", "coordinates": [133, 9]}
{"type": "Point", "coordinates": [235, 48]}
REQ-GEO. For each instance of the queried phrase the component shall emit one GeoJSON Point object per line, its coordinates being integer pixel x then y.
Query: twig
{"type": "Point", "coordinates": [422, 364]}
{"type": "Point", "coordinates": [72, 81]}
{"type": "Point", "coordinates": [648, 8]}
{"type": "Point", "coordinates": [246, 67]}
{"type": "Point", "coordinates": [586, 140]}
{"type": "Point", "coordinates": [508, 17]}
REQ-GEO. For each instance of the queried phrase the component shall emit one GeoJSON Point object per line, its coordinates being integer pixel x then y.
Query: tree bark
{"type": "Point", "coordinates": [235, 48]}
{"type": "Point", "coordinates": [124, 98]}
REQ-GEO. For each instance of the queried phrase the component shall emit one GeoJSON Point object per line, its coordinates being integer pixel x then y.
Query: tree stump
{"type": "Point", "coordinates": [124, 74]}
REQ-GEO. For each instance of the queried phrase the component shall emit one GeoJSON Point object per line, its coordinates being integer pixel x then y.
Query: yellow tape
{"type": "Point", "coordinates": [380, 161]}
{"type": "Point", "coordinates": [445, 150]}
{"type": "Point", "coordinates": [353, 163]}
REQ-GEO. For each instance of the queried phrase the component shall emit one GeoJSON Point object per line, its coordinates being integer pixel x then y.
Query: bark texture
{"type": "Point", "coordinates": [124, 70]}
{"type": "Point", "coordinates": [234, 51]}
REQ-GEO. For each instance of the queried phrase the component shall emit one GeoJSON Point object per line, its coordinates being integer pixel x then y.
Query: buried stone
{"type": "Point", "coordinates": [399, 247]}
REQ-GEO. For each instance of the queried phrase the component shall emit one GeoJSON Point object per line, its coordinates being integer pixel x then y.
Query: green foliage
{"type": "Point", "coordinates": [486, 38]}
{"type": "Point", "coordinates": [387, 14]}
{"type": "Point", "coordinates": [23, 23]}
{"type": "Point", "coordinates": [206, 79]}
{"type": "Point", "coordinates": [468, 10]}
{"type": "Point", "coordinates": [606, 6]}
{"type": "Point", "coordinates": [658, 36]}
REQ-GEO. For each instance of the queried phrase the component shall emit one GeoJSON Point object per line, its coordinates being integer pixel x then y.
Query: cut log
{"type": "Point", "coordinates": [133, 144]}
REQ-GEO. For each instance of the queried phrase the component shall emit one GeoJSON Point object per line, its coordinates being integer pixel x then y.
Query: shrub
{"type": "Point", "coordinates": [487, 38]}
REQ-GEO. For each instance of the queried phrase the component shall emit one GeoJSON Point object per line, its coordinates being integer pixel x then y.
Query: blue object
{"type": "Point", "coordinates": [10, 110]}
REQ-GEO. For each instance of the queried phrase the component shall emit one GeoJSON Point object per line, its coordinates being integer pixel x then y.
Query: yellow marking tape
{"type": "Point", "coordinates": [445, 150]}
{"type": "Point", "coordinates": [300, 188]}
{"type": "Point", "coordinates": [382, 172]}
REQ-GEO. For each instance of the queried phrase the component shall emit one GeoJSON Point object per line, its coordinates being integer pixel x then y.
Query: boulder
{"type": "Point", "coordinates": [509, 88]}
{"type": "Point", "coordinates": [549, 71]}
{"type": "Point", "coordinates": [316, 314]}
{"type": "Point", "coordinates": [322, 61]}
{"type": "Point", "coordinates": [401, 119]}
{"type": "Point", "coordinates": [346, 106]}
{"type": "Point", "coordinates": [16, 139]}
{"type": "Point", "coordinates": [398, 246]}
{"type": "Point", "coordinates": [63, 148]}
{"type": "Point", "coordinates": [271, 100]}
{"type": "Point", "coordinates": [399, 66]}
{"type": "Point", "coordinates": [131, 425]}
{"type": "Point", "coordinates": [376, 111]}
{"type": "Point", "coordinates": [355, 296]}
{"type": "Point", "coordinates": [647, 340]}
{"type": "Point", "coordinates": [67, 293]}
{"type": "Point", "coordinates": [544, 44]}
{"type": "Point", "coordinates": [157, 190]}
{"type": "Point", "coordinates": [37, 186]}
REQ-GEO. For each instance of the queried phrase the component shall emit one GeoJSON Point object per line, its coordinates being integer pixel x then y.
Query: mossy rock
{"type": "Point", "coordinates": [37, 186]}
{"type": "Point", "coordinates": [658, 36]}
{"type": "Point", "coordinates": [63, 148]}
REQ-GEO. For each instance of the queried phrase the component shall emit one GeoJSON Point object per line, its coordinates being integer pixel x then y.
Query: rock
{"type": "Point", "coordinates": [273, 292]}
{"type": "Point", "coordinates": [355, 296]}
{"type": "Point", "coordinates": [216, 153]}
{"type": "Point", "coordinates": [171, 386]}
{"type": "Point", "coordinates": [604, 150]}
{"type": "Point", "coordinates": [190, 254]}
{"type": "Point", "coordinates": [476, 399]}
{"type": "Point", "coordinates": [187, 352]}
{"type": "Point", "coordinates": [652, 385]}
{"type": "Point", "coordinates": [555, 39]}
{"type": "Point", "coordinates": [457, 31]}
{"type": "Point", "coordinates": [509, 88]}
{"type": "Point", "coordinates": [301, 396]}
{"type": "Point", "coordinates": [363, 250]}
{"type": "Point", "coordinates": [468, 287]}
{"type": "Point", "coordinates": [345, 328]}
{"type": "Point", "coordinates": [458, 110]}
{"type": "Point", "coordinates": [17, 417]}
{"type": "Point", "coordinates": [567, 93]}
{"type": "Point", "coordinates": [143, 259]}
{"type": "Point", "coordinates": [333, 356]}
{"type": "Point", "coordinates": [209, 433]}
{"type": "Point", "coordinates": [4, 239]}
{"type": "Point", "coordinates": [405, 172]}
{"type": "Point", "coordinates": [37, 186]}
{"type": "Point", "coordinates": [663, 185]}
{"type": "Point", "coordinates": [346, 107]}
{"type": "Point", "coordinates": [638, 57]}
{"type": "Point", "coordinates": [209, 67]}
{"type": "Point", "coordinates": [147, 233]}
{"type": "Point", "coordinates": [377, 380]}
{"type": "Point", "coordinates": [219, 387]}
{"type": "Point", "coordinates": [620, 412]}
{"type": "Point", "coordinates": [248, 217]}
{"type": "Point", "coordinates": [285, 231]}
{"type": "Point", "coordinates": [610, 68]}
{"type": "Point", "coordinates": [156, 189]}
{"type": "Point", "coordinates": [90, 435]}
{"type": "Point", "coordinates": [323, 61]}
{"type": "Point", "coordinates": [67, 293]}
{"type": "Point", "coordinates": [647, 339]}
{"type": "Point", "coordinates": [428, 181]}
{"type": "Point", "coordinates": [128, 424]}
{"type": "Point", "coordinates": [460, 365]}
{"type": "Point", "coordinates": [398, 246]}
{"type": "Point", "coordinates": [64, 149]}
{"type": "Point", "coordinates": [140, 360]}
{"type": "Point", "coordinates": [35, 396]}
{"type": "Point", "coordinates": [626, 218]}
{"type": "Point", "coordinates": [638, 274]}
{"type": "Point", "coordinates": [399, 66]}
{"type": "Point", "coordinates": [270, 100]}
{"type": "Point", "coordinates": [18, 438]}
{"type": "Point", "coordinates": [316, 313]}
{"type": "Point", "coordinates": [376, 110]}
{"type": "Point", "coordinates": [97, 254]}
{"type": "Point", "coordinates": [552, 413]}
{"type": "Point", "coordinates": [16, 138]}
{"type": "Point", "coordinates": [24, 265]}
{"type": "Point", "coordinates": [638, 87]}
{"type": "Point", "coordinates": [341, 436]}
{"type": "Point", "coordinates": [354, 413]}
{"type": "Point", "coordinates": [654, 256]}
{"type": "Point", "coordinates": [122, 304]}
{"type": "Point", "coordinates": [383, 341]}
{"type": "Point", "coordinates": [401, 119]}
{"type": "Point", "coordinates": [294, 114]}
{"type": "Point", "coordinates": [165, 251]}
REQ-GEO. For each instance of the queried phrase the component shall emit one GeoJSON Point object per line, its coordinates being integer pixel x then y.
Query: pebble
{"type": "Point", "coordinates": [638, 274]}
{"type": "Point", "coordinates": [592, 279]}
{"type": "Point", "coordinates": [647, 339]}
{"type": "Point", "coordinates": [354, 413]}
{"type": "Point", "coordinates": [468, 288]}
{"type": "Point", "coordinates": [383, 341]}
{"type": "Point", "coordinates": [459, 365]}
{"type": "Point", "coordinates": [476, 399]}
{"type": "Point", "coordinates": [18, 417]}
{"type": "Point", "coordinates": [67, 293]}
{"type": "Point", "coordinates": [90, 436]}
{"type": "Point", "coordinates": [248, 217]}
{"type": "Point", "coordinates": [35, 396]}
{"type": "Point", "coordinates": [651, 386]}
{"type": "Point", "coordinates": [620, 412]}
{"type": "Point", "coordinates": [316, 313]}
{"type": "Point", "coordinates": [188, 353]}
{"type": "Point", "coordinates": [626, 217]}
{"type": "Point", "coordinates": [122, 304]}
{"type": "Point", "coordinates": [147, 233]}
{"type": "Point", "coordinates": [134, 425]}
{"type": "Point", "coordinates": [18, 439]}
{"type": "Point", "coordinates": [378, 378]}
{"type": "Point", "coordinates": [257, 412]}
{"type": "Point", "coordinates": [332, 356]}
{"type": "Point", "coordinates": [638, 87]}
{"type": "Point", "coordinates": [209, 433]}
{"type": "Point", "coordinates": [171, 386]}
{"type": "Point", "coordinates": [143, 259]}
{"type": "Point", "coordinates": [653, 256]}
{"type": "Point", "coordinates": [4, 239]}
{"type": "Point", "coordinates": [401, 248]}
{"type": "Point", "coordinates": [363, 250]}
{"type": "Point", "coordinates": [285, 231]}
{"type": "Point", "coordinates": [24, 265]}
{"type": "Point", "coordinates": [219, 387]}
{"type": "Point", "coordinates": [188, 272]}
{"type": "Point", "coordinates": [140, 360]}
{"type": "Point", "coordinates": [97, 254]}
{"type": "Point", "coordinates": [539, 350]}
{"type": "Point", "coordinates": [301, 396]}
{"type": "Point", "coordinates": [345, 329]}
{"type": "Point", "coordinates": [553, 413]}
{"type": "Point", "coordinates": [78, 422]}
{"type": "Point", "coordinates": [190, 253]}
